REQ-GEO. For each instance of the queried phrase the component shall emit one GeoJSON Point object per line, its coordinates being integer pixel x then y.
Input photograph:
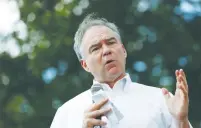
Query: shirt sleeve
{"type": "Point", "coordinates": [57, 121]}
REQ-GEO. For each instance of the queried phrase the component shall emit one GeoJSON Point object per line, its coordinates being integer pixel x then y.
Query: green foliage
{"type": "Point", "coordinates": [157, 37]}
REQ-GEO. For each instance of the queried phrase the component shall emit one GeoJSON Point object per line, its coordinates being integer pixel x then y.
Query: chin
{"type": "Point", "coordinates": [114, 73]}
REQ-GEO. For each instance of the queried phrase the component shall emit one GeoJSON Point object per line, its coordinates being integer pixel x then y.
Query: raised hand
{"type": "Point", "coordinates": [178, 103]}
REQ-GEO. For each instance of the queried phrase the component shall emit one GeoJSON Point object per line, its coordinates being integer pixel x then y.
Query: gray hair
{"type": "Point", "coordinates": [89, 21]}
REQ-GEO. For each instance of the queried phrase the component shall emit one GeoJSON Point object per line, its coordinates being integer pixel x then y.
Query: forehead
{"type": "Point", "coordinates": [97, 33]}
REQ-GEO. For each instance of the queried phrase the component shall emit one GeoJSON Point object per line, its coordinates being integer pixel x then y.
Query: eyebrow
{"type": "Point", "coordinates": [112, 38]}
{"type": "Point", "coordinates": [97, 44]}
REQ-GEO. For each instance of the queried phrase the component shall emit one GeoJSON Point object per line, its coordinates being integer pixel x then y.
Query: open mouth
{"type": "Point", "coordinates": [109, 61]}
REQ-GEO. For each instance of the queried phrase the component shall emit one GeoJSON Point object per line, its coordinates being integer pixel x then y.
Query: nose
{"type": "Point", "coordinates": [106, 50]}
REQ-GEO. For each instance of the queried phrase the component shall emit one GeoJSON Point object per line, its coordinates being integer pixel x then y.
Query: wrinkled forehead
{"type": "Point", "coordinates": [97, 34]}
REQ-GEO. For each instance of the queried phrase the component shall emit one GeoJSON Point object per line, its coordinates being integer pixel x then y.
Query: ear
{"type": "Point", "coordinates": [125, 52]}
{"type": "Point", "coordinates": [84, 65]}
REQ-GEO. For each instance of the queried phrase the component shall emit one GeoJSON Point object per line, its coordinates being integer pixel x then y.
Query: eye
{"type": "Point", "coordinates": [111, 42]}
{"type": "Point", "coordinates": [95, 49]}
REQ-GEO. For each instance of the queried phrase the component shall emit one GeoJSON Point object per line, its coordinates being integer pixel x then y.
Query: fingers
{"type": "Point", "coordinates": [166, 93]}
{"type": "Point", "coordinates": [93, 112]}
{"type": "Point", "coordinates": [181, 78]}
{"type": "Point", "coordinates": [183, 91]}
{"type": "Point", "coordinates": [184, 75]}
{"type": "Point", "coordinates": [182, 86]}
{"type": "Point", "coordinates": [177, 73]}
{"type": "Point", "coordinates": [97, 106]}
{"type": "Point", "coordinates": [177, 77]}
{"type": "Point", "coordinates": [183, 83]}
{"type": "Point", "coordinates": [91, 122]}
{"type": "Point", "coordinates": [97, 113]}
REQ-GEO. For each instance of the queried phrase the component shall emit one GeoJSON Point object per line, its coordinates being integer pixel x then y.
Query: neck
{"type": "Point", "coordinates": [111, 84]}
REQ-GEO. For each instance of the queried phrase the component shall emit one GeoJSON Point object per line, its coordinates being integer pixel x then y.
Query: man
{"type": "Point", "coordinates": [100, 51]}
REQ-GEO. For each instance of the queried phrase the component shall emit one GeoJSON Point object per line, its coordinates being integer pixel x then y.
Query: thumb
{"type": "Point", "coordinates": [166, 93]}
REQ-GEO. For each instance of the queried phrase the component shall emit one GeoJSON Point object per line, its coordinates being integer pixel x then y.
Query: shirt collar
{"type": "Point", "coordinates": [118, 86]}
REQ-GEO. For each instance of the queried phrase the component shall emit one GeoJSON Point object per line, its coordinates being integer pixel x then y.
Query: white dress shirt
{"type": "Point", "coordinates": [142, 107]}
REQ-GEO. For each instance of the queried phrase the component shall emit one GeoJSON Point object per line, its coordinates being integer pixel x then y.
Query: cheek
{"type": "Point", "coordinates": [121, 56]}
{"type": "Point", "coordinates": [120, 52]}
{"type": "Point", "coordinates": [93, 62]}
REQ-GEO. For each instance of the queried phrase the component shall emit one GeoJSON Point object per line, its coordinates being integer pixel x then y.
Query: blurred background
{"type": "Point", "coordinates": [39, 70]}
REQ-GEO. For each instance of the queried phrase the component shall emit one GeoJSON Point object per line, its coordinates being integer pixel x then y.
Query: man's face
{"type": "Point", "coordinates": [103, 54]}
